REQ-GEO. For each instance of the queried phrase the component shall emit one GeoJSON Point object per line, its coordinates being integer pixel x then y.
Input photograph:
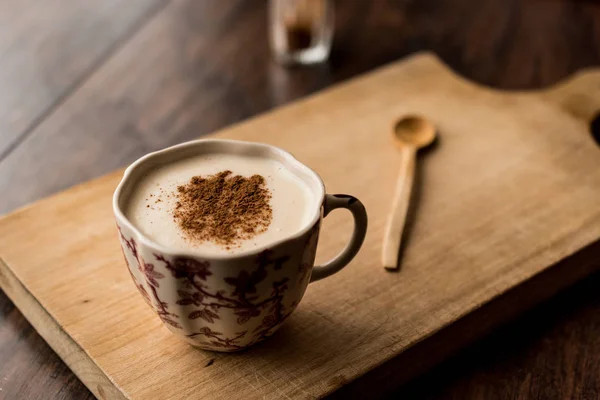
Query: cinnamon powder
{"type": "Point", "coordinates": [223, 208]}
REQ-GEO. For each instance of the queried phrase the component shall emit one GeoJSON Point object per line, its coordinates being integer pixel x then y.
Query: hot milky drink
{"type": "Point", "coordinates": [220, 203]}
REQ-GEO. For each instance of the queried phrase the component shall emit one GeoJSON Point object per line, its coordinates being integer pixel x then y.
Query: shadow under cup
{"type": "Point", "coordinates": [229, 302]}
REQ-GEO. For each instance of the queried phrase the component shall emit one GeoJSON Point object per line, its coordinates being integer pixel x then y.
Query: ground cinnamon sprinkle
{"type": "Point", "coordinates": [222, 208]}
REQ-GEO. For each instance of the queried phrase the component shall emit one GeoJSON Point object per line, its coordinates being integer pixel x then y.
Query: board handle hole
{"type": "Point", "coordinates": [595, 128]}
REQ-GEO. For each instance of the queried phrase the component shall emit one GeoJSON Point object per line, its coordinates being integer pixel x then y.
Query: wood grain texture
{"type": "Point", "coordinates": [510, 44]}
{"type": "Point", "coordinates": [484, 227]}
{"type": "Point", "coordinates": [30, 368]}
{"type": "Point", "coordinates": [71, 353]}
{"type": "Point", "coordinates": [48, 48]}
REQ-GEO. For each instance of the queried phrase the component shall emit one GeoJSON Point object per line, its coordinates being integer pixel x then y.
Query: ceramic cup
{"type": "Point", "coordinates": [229, 302]}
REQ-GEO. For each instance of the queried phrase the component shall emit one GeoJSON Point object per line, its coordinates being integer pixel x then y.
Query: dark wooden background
{"type": "Point", "coordinates": [89, 86]}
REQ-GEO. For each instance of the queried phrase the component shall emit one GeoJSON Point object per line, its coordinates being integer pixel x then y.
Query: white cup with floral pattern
{"type": "Point", "coordinates": [229, 302]}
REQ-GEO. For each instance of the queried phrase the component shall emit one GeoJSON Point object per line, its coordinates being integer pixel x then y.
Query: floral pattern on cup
{"type": "Point", "coordinates": [199, 308]}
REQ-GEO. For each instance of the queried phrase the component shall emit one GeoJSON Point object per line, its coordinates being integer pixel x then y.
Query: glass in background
{"type": "Point", "coordinates": [301, 31]}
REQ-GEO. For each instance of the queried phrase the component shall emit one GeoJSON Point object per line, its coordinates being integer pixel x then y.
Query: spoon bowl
{"type": "Point", "coordinates": [414, 131]}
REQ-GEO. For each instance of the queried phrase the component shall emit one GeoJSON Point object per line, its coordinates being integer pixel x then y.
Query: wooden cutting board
{"type": "Point", "coordinates": [508, 213]}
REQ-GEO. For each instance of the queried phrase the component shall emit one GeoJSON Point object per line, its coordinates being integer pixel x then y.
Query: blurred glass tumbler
{"type": "Point", "coordinates": [301, 30]}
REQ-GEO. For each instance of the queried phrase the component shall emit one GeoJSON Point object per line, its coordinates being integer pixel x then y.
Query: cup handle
{"type": "Point", "coordinates": [333, 201]}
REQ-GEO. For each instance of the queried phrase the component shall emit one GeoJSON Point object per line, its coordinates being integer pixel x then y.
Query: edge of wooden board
{"type": "Point", "coordinates": [60, 341]}
{"type": "Point", "coordinates": [447, 341]}
{"type": "Point", "coordinates": [389, 375]}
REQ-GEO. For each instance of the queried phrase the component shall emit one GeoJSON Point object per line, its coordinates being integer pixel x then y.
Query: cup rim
{"type": "Point", "coordinates": [284, 157]}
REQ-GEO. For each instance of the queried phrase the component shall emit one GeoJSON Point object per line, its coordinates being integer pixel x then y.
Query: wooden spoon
{"type": "Point", "coordinates": [411, 133]}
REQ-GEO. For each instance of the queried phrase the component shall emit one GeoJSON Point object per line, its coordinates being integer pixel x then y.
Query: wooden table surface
{"type": "Point", "coordinates": [89, 86]}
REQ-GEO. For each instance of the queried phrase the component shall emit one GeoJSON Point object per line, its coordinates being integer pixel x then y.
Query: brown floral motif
{"type": "Point", "coordinates": [152, 278]}
{"type": "Point", "coordinates": [265, 259]}
{"type": "Point", "coordinates": [245, 315]}
{"type": "Point", "coordinates": [242, 299]}
{"type": "Point", "coordinates": [205, 304]}
{"type": "Point", "coordinates": [189, 268]}
{"type": "Point", "coordinates": [151, 274]}
{"type": "Point", "coordinates": [144, 293]}
{"type": "Point", "coordinates": [189, 298]}
{"type": "Point", "coordinates": [139, 286]}
{"type": "Point", "coordinates": [206, 314]}
{"type": "Point", "coordinates": [276, 314]}
{"type": "Point", "coordinates": [195, 273]}
{"type": "Point", "coordinates": [217, 341]}
{"type": "Point", "coordinates": [245, 283]}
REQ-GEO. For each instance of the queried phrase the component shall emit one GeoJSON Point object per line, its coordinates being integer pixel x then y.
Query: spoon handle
{"type": "Point", "coordinates": [395, 225]}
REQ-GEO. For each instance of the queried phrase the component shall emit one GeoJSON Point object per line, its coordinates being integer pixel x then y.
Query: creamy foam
{"type": "Point", "coordinates": [150, 206]}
